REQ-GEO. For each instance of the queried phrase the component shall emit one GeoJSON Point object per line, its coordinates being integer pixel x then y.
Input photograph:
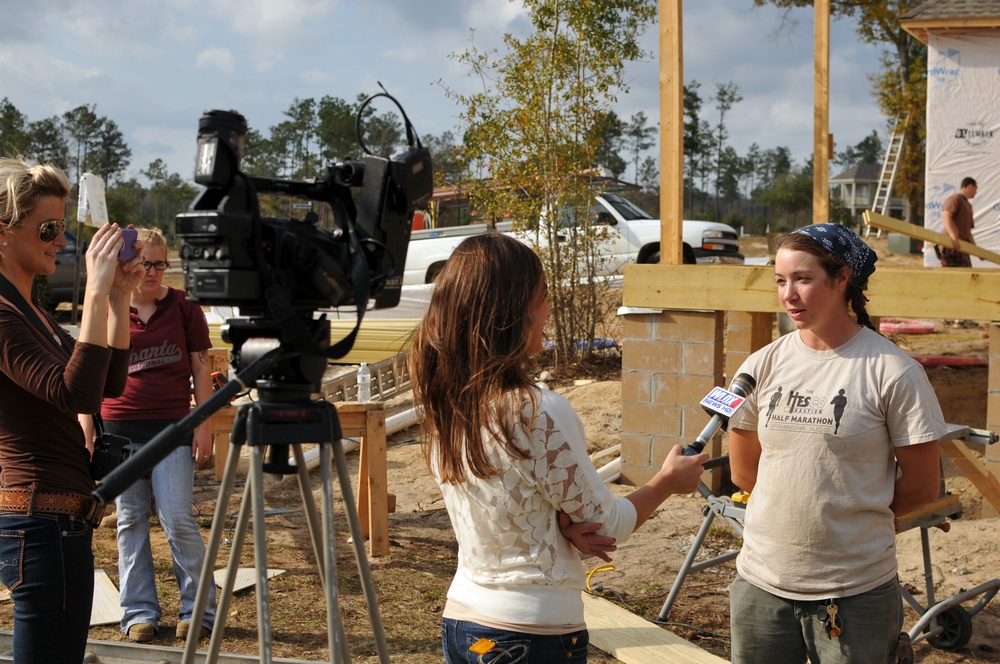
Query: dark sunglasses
{"type": "Point", "coordinates": [159, 266]}
{"type": "Point", "coordinates": [50, 230]}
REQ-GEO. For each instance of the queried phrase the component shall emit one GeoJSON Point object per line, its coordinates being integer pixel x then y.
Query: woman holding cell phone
{"type": "Point", "coordinates": [170, 344]}
{"type": "Point", "coordinates": [47, 378]}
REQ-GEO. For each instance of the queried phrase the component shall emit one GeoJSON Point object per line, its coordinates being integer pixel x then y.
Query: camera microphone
{"type": "Point", "coordinates": [721, 404]}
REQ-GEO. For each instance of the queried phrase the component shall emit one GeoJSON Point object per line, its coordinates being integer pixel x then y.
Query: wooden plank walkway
{"type": "Point", "coordinates": [632, 640]}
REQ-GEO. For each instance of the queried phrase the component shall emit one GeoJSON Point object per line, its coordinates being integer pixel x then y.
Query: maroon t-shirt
{"type": "Point", "coordinates": [159, 370]}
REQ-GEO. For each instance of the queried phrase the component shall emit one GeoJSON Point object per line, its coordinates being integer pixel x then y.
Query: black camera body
{"type": "Point", "coordinates": [110, 451]}
{"type": "Point", "coordinates": [232, 256]}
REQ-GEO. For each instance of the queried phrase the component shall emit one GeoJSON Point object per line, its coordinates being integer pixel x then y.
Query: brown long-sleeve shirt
{"type": "Point", "coordinates": [41, 393]}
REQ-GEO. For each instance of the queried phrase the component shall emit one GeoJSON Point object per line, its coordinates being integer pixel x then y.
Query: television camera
{"type": "Point", "coordinates": [278, 272]}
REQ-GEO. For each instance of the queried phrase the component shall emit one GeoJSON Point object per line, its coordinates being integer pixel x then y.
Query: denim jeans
{"type": "Point", "coordinates": [172, 484]}
{"type": "Point", "coordinates": [47, 562]}
{"type": "Point", "coordinates": [767, 629]}
{"type": "Point", "coordinates": [457, 636]}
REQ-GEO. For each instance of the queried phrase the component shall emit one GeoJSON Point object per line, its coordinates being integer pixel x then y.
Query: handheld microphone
{"type": "Point", "coordinates": [721, 404]}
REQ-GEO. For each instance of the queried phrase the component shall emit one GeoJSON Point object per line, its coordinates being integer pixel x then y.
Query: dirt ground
{"type": "Point", "coordinates": [412, 580]}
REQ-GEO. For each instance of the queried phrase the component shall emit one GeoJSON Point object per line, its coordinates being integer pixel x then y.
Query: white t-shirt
{"type": "Point", "coordinates": [818, 523]}
{"type": "Point", "coordinates": [514, 566]}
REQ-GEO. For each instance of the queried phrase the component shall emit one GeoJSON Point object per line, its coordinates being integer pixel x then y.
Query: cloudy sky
{"type": "Point", "coordinates": [153, 66]}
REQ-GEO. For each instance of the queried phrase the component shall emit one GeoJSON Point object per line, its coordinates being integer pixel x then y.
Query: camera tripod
{"type": "Point", "coordinates": [284, 418]}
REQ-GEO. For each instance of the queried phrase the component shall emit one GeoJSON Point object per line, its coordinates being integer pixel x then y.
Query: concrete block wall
{"type": "Point", "coordinates": [670, 360]}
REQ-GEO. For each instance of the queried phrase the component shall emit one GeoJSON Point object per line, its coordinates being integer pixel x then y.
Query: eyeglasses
{"type": "Point", "coordinates": [159, 266]}
{"type": "Point", "coordinates": [50, 230]}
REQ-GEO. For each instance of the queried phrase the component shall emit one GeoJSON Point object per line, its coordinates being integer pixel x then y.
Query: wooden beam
{"type": "Point", "coordinates": [671, 132]}
{"type": "Point", "coordinates": [965, 294]}
{"type": "Point", "coordinates": [633, 640]}
{"type": "Point", "coordinates": [973, 468]}
{"type": "Point", "coordinates": [821, 112]}
{"type": "Point", "coordinates": [927, 235]}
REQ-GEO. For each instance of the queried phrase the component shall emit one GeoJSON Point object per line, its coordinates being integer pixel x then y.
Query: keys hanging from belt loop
{"type": "Point", "coordinates": [833, 630]}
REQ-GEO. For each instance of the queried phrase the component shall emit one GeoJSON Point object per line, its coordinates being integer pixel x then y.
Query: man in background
{"type": "Point", "coordinates": [956, 214]}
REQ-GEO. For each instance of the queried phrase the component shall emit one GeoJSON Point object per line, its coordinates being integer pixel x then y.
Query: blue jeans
{"type": "Point", "coordinates": [172, 483]}
{"type": "Point", "coordinates": [47, 561]}
{"type": "Point", "coordinates": [457, 636]}
{"type": "Point", "coordinates": [767, 629]}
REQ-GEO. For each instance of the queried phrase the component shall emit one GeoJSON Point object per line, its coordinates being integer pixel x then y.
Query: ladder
{"type": "Point", "coordinates": [883, 192]}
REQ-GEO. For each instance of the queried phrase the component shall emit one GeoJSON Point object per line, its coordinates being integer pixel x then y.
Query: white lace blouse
{"type": "Point", "coordinates": [514, 566]}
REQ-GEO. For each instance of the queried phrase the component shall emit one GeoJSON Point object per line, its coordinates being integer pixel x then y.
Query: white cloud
{"type": "Point", "coordinates": [220, 59]}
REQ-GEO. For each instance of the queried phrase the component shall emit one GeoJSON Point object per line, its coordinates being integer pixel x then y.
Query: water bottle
{"type": "Point", "coordinates": [364, 383]}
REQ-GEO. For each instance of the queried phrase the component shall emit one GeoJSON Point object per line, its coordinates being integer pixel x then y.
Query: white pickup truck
{"type": "Point", "coordinates": [634, 238]}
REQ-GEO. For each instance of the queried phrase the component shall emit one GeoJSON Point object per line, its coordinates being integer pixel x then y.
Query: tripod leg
{"type": "Point", "coordinates": [309, 507]}
{"type": "Point", "coordinates": [334, 622]}
{"type": "Point", "coordinates": [364, 572]}
{"type": "Point", "coordinates": [229, 582]}
{"type": "Point", "coordinates": [260, 553]}
{"type": "Point", "coordinates": [214, 542]}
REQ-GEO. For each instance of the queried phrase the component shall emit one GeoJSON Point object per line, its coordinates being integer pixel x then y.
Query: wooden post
{"type": "Point", "coordinates": [821, 114]}
{"type": "Point", "coordinates": [671, 132]}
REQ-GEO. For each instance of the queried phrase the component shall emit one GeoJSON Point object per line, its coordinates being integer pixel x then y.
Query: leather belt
{"type": "Point", "coordinates": [27, 501]}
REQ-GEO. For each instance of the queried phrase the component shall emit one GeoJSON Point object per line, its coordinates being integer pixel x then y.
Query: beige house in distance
{"type": "Point", "coordinates": [855, 189]}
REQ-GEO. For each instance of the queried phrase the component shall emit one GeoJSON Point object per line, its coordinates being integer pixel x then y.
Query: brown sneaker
{"type": "Point", "coordinates": [141, 632]}
{"type": "Point", "coordinates": [184, 626]}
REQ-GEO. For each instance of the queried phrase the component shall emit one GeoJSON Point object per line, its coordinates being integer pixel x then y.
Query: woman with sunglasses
{"type": "Point", "coordinates": [170, 344]}
{"type": "Point", "coordinates": [46, 379]}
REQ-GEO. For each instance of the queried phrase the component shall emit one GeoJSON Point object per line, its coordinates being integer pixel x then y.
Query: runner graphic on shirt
{"type": "Point", "coordinates": [839, 403]}
{"type": "Point", "coordinates": [775, 398]}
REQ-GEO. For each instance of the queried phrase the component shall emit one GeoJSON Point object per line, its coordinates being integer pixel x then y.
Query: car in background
{"type": "Point", "coordinates": [53, 289]}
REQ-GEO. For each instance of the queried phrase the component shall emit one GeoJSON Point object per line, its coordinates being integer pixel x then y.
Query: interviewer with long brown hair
{"type": "Point", "coordinates": [509, 458]}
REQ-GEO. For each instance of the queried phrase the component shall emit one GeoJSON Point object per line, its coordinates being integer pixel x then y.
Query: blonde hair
{"type": "Point", "coordinates": [152, 237]}
{"type": "Point", "coordinates": [22, 185]}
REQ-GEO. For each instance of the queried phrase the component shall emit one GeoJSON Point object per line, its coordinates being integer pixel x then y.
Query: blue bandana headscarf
{"type": "Point", "coordinates": [845, 244]}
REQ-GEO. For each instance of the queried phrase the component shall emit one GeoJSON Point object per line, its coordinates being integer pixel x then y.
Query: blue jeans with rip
{"type": "Point", "coordinates": [172, 484]}
{"type": "Point", "coordinates": [47, 562]}
{"type": "Point", "coordinates": [458, 636]}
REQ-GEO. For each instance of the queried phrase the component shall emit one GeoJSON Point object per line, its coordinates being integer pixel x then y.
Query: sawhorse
{"type": "Point", "coordinates": [365, 421]}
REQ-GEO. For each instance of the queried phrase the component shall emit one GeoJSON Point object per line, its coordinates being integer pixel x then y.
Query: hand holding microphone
{"type": "Point", "coordinates": [721, 404]}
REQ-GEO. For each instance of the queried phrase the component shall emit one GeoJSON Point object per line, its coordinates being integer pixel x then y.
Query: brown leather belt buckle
{"type": "Point", "coordinates": [96, 512]}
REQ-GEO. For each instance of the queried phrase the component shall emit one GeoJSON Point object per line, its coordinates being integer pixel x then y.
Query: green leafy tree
{"type": "Point", "coordinates": [790, 193]}
{"type": "Point", "coordinates": [639, 137]}
{"type": "Point", "coordinates": [109, 156]}
{"type": "Point", "coordinates": [81, 125]}
{"type": "Point", "coordinates": [128, 204]}
{"type": "Point", "coordinates": [531, 131]}
{"type": "Point", "coordinates": [335, 130]}
{"type": "Point", "coordinates": [867, 151]}
{"type": "Point", "coordinates": [259, 156]}
{"type": "Point", "coordinates": [48, 142]}
{"type": "Point", "coordinates": [727, 95]}
{"type": "Point", "coordinates": [169, 194]}
{"type": "Point", "coordinates": [696, 142]}
{"type": "Point", "coordinates": [14, 137]}
{"type": "Point", "coordinates": [608, 137]}
{"type": "Point", "coordinates": [300, 129]}
{"type": "Point", "coordinates": [447, 168]}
